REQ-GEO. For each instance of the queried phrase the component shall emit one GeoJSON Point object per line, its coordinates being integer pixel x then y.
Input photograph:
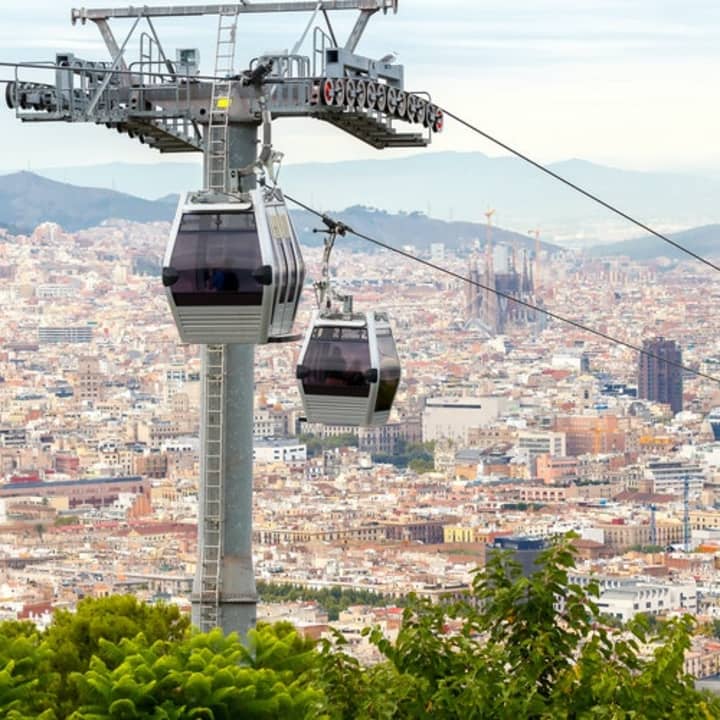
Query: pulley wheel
{"type": "Point", "coordinates": [10, 95]}
{"type": "Point", "coordinates": [350, 93]}
{"type": "Point", "coordinates": [402, 105]}
{"type": "Point", "coordinates": [381, 102]}
{"type": "Point", "coordinates": [339, 87]}
{"type": "Point", "coordinates": [439, 120]}
{"type": "Point", "coordinates": [391, 100]}
{"type": "Point", "coordinates": [421, 112]}
{"type": "Point", "coordinates": [361, 93]}
{"type": "Point", "coordinates": [430, 115]}
{"type": "Point", "coordinates": [328, 91]}
{"type": "Point", "coordinates": [412, 107]}
{"type": "Point", "coordinates": [371, 95]}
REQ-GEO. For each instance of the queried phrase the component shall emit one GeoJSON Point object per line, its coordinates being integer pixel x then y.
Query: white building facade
{"type": "Point", "coordinates": [450, 418]}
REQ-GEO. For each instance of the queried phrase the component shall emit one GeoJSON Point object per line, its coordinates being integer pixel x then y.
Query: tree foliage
{"type": "Point", "coordinates": [26, 675]}
{"type": "Point", "coordinates": [316, 445]}
{"type": "Point", "coordinates": [165, 673]}
{"type": "Point", "coordinates": [419, 457]}
{"type": "Point", "coordinates": [75, 638]}
{"type": "Point", "coordinates": [205, 676]}
{"type": "Point", "coordinates": [333, 600]}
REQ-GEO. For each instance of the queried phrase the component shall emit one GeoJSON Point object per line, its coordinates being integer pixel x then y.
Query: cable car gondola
{"type": "Point", "coordinates": [233, 269]}
{"type": "Point", "coordinates": [349, 370]}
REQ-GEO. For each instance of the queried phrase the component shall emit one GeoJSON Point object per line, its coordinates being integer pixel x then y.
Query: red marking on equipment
{"type": "Point", "coordinates": [328, 91]}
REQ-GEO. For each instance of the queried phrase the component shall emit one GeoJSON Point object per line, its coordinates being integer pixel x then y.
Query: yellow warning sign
{"type": "Point", "coordinates": [223, 103]}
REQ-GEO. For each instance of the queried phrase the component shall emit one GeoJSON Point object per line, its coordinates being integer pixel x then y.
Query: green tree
{"type": "Point", "coordinates": [26, 675]}
{"type": "Point", "coordinates": [714, 628]}
{"type": "Point", "coordinates": [203, 676]}
{"type": "Point", "coordinates": [518, 647]}
{"type": "Point", "coordinates": [181, 676]}
{"type": "Point", "coordinates": [74, 638]}
{"type": "Point", "coordinates": [316, 445]}
{"type": "Point", "coordinates": [648, 548]}
{"type": "Point", "coordinates": [417, 456]}
{"type": "Point", "coordinates": [420, 466]}
{"type": "Point", "coordinates": [333, 600]}
{"type": "Point", "coordinates": [61, 520]}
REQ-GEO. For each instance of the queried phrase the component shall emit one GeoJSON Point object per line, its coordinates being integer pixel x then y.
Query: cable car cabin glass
{"type": "Point", "coordinates": [389, 370]}
{"type": "Point", "coordinates": [215, 255]}
{"type": "Point", "coordinates": [337, 359]}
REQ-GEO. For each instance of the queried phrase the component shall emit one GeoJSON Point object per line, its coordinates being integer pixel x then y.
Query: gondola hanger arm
{"type": "Point", "coordinates": [325, 293]}
{"type": "Point", "coordinates": [269, 160]}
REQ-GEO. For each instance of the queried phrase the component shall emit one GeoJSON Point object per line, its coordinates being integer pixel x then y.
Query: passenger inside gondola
{"type": "Point", "coordinates": [224, 280]}
{"type": "Point", "coordinates": [337, 359]}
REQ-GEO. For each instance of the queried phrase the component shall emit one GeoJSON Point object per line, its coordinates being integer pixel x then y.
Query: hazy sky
{"type": "Point", "coordinates": [623, 82]}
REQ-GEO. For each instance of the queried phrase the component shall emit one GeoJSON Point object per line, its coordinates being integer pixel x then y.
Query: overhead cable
{"type": "Point", "coordinates": [581, 190]}
{"type": "Point", "coordinates": [511, 298]}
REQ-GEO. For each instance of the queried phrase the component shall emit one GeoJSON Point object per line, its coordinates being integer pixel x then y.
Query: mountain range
{"type": "Point", "coordinates": [27, 199]}
{"type": "Point", "coordinates": [458, 186]}
{"type": "Point", "coordinates": [704, 241]}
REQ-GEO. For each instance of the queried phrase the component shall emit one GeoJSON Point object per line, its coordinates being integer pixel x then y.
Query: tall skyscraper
{"type": "Point", "coordinates": [658, 380]}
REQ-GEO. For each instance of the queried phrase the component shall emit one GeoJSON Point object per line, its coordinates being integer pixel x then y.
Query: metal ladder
{"type": "Point", "coordinates": [216, 170]}
{"type": "Point", "coordinates": [213, 520]}
{"type": "Point", "coordinates": [212, 478]}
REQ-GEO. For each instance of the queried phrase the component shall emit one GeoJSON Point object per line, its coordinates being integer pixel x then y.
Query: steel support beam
{"type": "Point", "coordinates": [84, 14]}
{"type": "Point", "coordinates": [113, 47]}
{"type": "Point", "coordinates": [117, 60]}
{"type": "Point", "coordinates": [359, 29]}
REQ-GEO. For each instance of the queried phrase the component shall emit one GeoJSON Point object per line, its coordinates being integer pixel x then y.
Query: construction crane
{"type": "Point", "coordinates": [166, 104]}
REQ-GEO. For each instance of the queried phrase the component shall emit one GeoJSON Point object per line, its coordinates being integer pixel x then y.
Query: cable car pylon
{"type": "Point", "coordinates": [167, 105]}
{"type": "Point", "coordinates": [208, 584]}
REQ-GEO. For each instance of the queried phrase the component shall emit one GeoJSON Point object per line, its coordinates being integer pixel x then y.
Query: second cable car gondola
{"type": "Point", "coordinates": [348, 370]}
{"type": "Point", "coordinates": [233, 270]}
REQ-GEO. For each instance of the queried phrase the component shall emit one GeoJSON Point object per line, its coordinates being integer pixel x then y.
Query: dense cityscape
{"type": "Point", "coordinates": [497, 439]}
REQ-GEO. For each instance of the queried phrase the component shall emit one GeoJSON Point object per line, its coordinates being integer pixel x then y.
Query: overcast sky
{"type": "Point", "coordinates": [625, 82]}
